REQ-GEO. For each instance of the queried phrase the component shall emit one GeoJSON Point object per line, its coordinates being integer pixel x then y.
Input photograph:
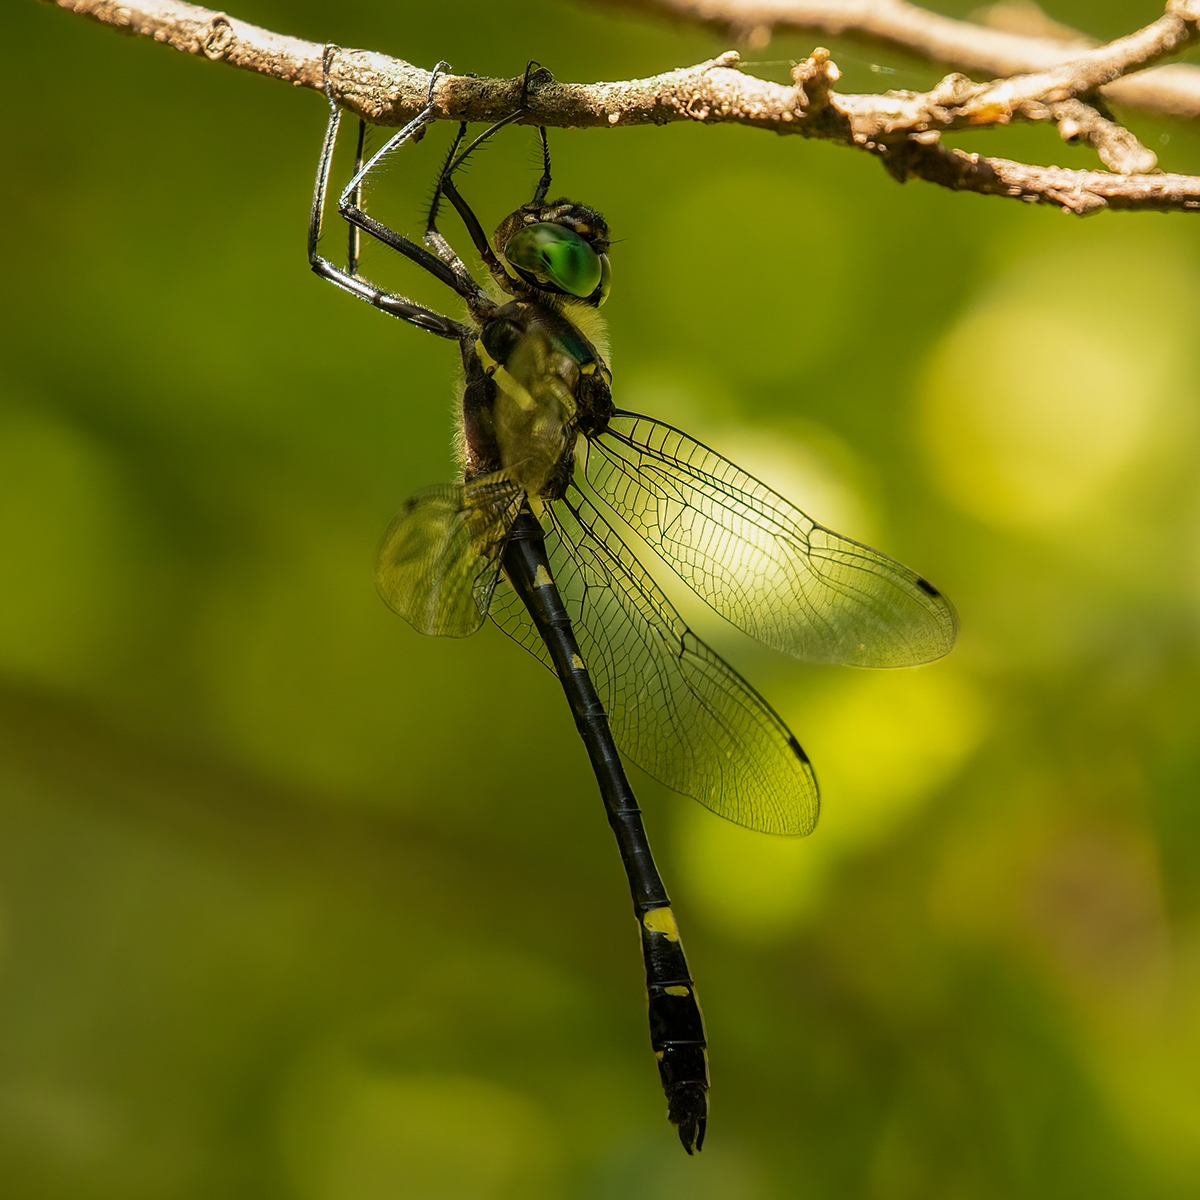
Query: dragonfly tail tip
{"type": "Point", "coordinates": [688, 1112]}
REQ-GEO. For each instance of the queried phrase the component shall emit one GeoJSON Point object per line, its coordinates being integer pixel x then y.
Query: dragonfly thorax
{"type": "Point", "coordinates": [543, 383]}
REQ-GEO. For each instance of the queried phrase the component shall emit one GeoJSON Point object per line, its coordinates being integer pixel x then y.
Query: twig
{"type": "Point", "coordinates": [964, 45]}
{"type": "Point", "coordinates": [901, 128]}
{"type": "Point", "coordinates": [1115, 146]}
{"type": "Point", "coordinates": [1078, 192]}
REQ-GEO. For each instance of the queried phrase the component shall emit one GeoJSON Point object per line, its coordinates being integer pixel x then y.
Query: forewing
{"type": "Point", "coordinates": [440, 558]}
{"type": "Point", "coordinates": [761, 562]}
{"type": "Point", "coordinates": [533, 411]}
{"type": "Point", "coordinates": [676, 708]}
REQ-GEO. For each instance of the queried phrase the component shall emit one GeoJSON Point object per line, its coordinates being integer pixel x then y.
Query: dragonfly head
{"type": "Point", "coordinates": [560, 248]}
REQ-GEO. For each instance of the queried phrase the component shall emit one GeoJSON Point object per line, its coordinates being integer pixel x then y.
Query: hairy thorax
{"type": "Point", "coordinates": [534, 383]}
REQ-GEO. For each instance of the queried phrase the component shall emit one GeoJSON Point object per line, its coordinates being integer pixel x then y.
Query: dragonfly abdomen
{"type": "Point", "coordinates": [676, 1023]}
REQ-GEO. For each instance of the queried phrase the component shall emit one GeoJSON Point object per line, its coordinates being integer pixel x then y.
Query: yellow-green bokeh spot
{"type": "Point", "coordinates": [377, 1135]}
{"type": "Point", "coordinates": [883, 743]}
{"type": "Point", "coordinates": [793, 284]}
{"type": "Point", "coordinates": [1060, 379]}
{"type": "Point", "coordinates": [65, 541]}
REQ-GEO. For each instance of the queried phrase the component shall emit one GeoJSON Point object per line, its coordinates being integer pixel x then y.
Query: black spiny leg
{"type": "Point", "coordinates": [539, 195]}
{"type": "Point", "coordinates": [447, 187]}
{"type": "Point", "coordinates": [354, 234]}
{"type": "Point", "coordinates": [469, 219]}
{"type": "Point", "coordinates": [349, 280]}
{"type": "Point", "coordinates": [349, 208]}
{"type": "Point", "coordinates": [433, 238]}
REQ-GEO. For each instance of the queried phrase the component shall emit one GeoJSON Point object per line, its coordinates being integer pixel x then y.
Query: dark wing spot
{"type": "Point", "coordinates": [927, 587]}
{"type": "Point", "coordinates": [797, 749]}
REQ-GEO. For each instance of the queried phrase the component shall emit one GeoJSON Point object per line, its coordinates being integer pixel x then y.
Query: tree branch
{"type": "Point", "coordinates": [900, 128]}
{"type": "Point", "coordinates": [1037, 44]}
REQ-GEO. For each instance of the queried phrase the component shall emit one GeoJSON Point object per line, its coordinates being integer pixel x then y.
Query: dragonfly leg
{"type": "Point", "coordinates": [447, 187]}
{"type": "Point", "coordinates": [539, 195]}
{"type": "Point", "coordinates": [350, 280]}
{"type": "Point", "coordinates": [433, 237]}
{"type": "Point", "coordinates": [354, 233]}
{"type": "Point", "coordinates": [350, 206]}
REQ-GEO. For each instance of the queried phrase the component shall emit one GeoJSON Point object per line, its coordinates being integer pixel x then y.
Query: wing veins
{"type": "Point", "coordinates": [757, 559]}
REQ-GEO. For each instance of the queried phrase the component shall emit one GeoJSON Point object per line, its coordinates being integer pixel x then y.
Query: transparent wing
{"type": "Point", "coordinates": [533, 411]}
{"type": "Point", "coordinates": [758, 560]}
{"type": "Point", "coordinates": [440, 558]}
{"type": "Point", "coordinates": [676, 708]}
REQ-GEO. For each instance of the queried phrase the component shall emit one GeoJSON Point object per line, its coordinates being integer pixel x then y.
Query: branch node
{"type": "Point", "coordinates": [955, 89]}
{"type": "Point", "coordinates": [1078, 203]}
{"type": "Point", "coordinates": [729, 58]}
{"type": "Point", "coordinates": [814, 79]}
{"type": "Point", "coordinates": [1185, 10]}
{"type": "Point", "coordinates": [219, 38]}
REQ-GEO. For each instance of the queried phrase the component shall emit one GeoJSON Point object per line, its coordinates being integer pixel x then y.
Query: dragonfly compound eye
{"type": "Point", "coordinates": [554, 254]}
{"type": "Point", "coordinates": [605, 280]}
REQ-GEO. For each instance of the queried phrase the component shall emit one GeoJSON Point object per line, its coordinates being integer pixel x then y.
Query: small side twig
{"type": "Point", "coordinates": [963, 45]}
{"type": "Point", "coordinates": [1117, 148]}
{"type": "Point", "coordinates": [1080, 193]}
{"type": "Point", "coordinates": [958, 102]}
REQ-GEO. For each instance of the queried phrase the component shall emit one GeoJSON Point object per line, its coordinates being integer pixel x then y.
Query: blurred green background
{"type": "Point", "coordinates": [297, 905]}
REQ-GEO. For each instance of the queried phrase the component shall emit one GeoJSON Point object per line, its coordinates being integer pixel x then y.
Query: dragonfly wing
{"type": "Point", "coordinates": [758, 560]}
{"type": "Point", "coordinates": [676, 708]}
{"type": "Point", "coordinates": [533, 410]}
{"type": "Point", "coordinates": [440, 558]}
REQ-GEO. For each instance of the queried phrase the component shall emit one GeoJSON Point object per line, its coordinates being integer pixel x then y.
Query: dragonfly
{"type": "Point", "coordinates": [557, 486]}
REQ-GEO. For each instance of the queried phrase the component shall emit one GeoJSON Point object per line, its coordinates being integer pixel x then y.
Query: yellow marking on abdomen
{"type": "Point", "coordinates": [541, 577]}
{"type": "Point", "coordinates": [577, 662]}
{"type": "Point", "coordinates": [678, 990]}
{"type": "Point", "coordinates": [662, 920]}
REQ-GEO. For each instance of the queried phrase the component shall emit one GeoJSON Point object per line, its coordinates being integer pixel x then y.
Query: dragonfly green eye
{"type": "Point", "coordinates": [558, 255]}
{"type": "Point", "coordinates": [605, 280]}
